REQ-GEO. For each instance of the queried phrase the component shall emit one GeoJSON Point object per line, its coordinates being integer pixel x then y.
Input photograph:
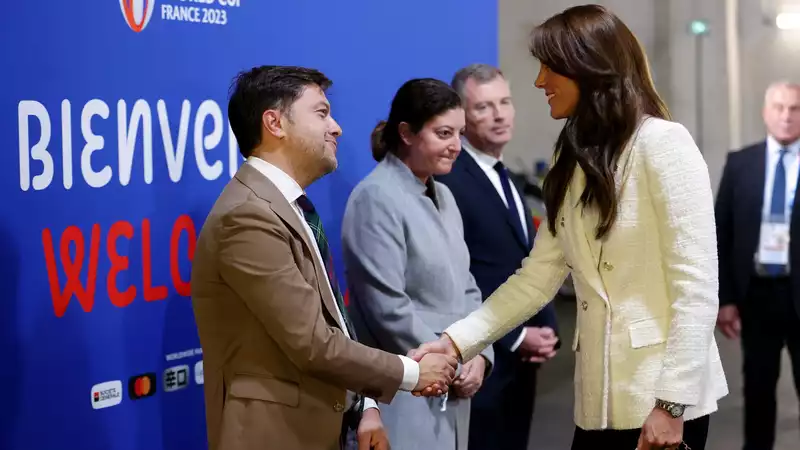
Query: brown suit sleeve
{"type": "Point", "coordinates": [257, 262]}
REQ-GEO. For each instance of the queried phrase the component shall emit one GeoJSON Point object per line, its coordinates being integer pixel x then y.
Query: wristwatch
{"type": "Point", "coordinates": [674, 409]}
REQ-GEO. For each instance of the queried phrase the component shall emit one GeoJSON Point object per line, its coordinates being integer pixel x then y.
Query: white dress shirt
{"type": "Point", "coordinates": [486, 162]}
{"type": "Point", "coordinates": [292, 191]}
{"type": "Point", "coordinates": [790, 162]}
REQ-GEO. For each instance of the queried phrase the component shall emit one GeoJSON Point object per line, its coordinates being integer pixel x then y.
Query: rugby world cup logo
{"type": "Point", "coordinates": [137, 13]}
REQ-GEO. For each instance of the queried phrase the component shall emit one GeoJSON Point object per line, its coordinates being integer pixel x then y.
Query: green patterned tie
{"type": "Point", "coordinates": [314, 221]}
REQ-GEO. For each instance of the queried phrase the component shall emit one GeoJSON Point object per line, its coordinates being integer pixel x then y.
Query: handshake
{"type": "Point", "coordinates": [438, 361]}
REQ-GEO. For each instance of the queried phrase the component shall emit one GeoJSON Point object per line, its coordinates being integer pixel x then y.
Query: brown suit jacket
{"type": "Point", "coordinates": [277, 365]}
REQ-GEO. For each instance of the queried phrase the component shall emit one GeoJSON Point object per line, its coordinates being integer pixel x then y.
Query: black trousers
{"type": "Point", "coordinates": [769, 323]}
{"type": "Point", "coordinates": [500, 416]}
{"type": "Point", "coordinates": [695, 433]}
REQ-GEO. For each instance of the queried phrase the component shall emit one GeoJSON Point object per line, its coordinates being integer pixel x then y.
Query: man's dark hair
{"type": "Point", "coordinates": [263, 88]}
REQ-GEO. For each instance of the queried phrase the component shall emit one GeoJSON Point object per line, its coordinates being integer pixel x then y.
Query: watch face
{"type": "Point", "coordinates": [676, 410]}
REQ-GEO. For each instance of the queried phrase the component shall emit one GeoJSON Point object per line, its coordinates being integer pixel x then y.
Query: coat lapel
{"type": "Point", "coordinates": [580, 223]}
{"type": "Point", "coordinates": [585, 220]}
{"type": "Point", "coordinates": [529, 224]}
{"type": "Point", "coordinates": [486, 186]}
{"type": "Point", "coordinates": [266, 190]}
{"type": "Point", "coordinates": [758, 180]}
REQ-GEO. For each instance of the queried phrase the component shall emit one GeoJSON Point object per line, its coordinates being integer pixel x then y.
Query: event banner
{"type": "Point", "coordinates": [116, 144]}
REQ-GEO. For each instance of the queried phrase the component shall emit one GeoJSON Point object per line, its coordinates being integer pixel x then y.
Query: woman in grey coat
{"type": "Point", "coordinates": [406, 261]}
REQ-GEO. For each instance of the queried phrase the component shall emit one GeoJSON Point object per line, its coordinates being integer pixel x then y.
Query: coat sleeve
{"type": "Point", "coordinates": [374, 249]}
{"type": "Point", "coordinates": [515, 301]}
{"type": "Point", "coordinates": [723, 211]}
{"type": "Point", "coordinates": [680, 189]}
{"type": "Point", "coordinates": [256, 261]}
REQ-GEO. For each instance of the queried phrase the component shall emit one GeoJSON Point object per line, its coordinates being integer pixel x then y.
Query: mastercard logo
{"type": "Point", "coordinates": [142, 386]}
{"type": "Point", "coordinates": [137, 13]}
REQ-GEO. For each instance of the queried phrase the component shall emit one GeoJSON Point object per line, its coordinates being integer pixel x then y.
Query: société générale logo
{"type": "Point", "coordinates": [139, 13]}
{"type": "Point", "coordinates": [105, 395]}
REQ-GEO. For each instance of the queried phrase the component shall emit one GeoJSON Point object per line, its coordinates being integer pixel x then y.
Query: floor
{"type": "Point", "coordinates": [553, 426]}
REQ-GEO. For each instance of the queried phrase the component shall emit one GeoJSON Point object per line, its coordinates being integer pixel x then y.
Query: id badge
{"type": "Point", "coordinates": [773, 246]}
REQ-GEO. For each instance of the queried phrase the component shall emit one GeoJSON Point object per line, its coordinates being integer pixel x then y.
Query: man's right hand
{"type": "Point", "coordinates": [729, 322]}
{"type": "Point", "coordinates": [436, 373]}
{"type": "Point", "coordinates": [539, 344]}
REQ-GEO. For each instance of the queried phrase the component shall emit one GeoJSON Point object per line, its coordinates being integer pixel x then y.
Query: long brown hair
{"type": "Point", "coordinates": [593, 47]}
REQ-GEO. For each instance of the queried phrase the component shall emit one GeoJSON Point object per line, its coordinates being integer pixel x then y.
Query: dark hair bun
{"type": "Point", "coordinates": [379, 149]}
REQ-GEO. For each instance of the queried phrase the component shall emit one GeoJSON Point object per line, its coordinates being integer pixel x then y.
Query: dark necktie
{"type": "Point", "coordinates": [315, 223]}
{"type": "Point", "coordinates": [512, 210]}
{"type": "Point", "coordinates": [778, 206]}
{"type": "Point", "coordinates": [777, 209]}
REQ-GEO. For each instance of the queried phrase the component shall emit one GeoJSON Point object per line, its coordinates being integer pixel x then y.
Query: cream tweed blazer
{"type": "Point", "coordinates": [647, 293]}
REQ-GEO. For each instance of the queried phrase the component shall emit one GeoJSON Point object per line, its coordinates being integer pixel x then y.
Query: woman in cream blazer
{"type": "Point", "coordinates": [648, 371]}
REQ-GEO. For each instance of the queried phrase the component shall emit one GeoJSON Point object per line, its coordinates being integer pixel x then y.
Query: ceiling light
{"type": "Point", "coordinates": [788, 21]}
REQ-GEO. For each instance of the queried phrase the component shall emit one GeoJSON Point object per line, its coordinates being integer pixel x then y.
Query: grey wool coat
{"type": "Point", "coordinates": [408, 273]}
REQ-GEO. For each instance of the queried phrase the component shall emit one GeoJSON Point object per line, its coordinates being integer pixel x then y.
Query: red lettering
{"type": "Point", "coordinates": [118, 264]}
{"type": "Point", "coordinates": [72, 268]}
{"type": "Point", "coordinates": [151, 293]}
{"type": "Point", "coordinates": [347, 297]}
{"type": "Point", "coordinates": [184, 222]}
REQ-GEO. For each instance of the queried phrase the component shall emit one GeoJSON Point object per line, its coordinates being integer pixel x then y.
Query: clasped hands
{"type": "Point", "coordinates": [539, 344]}
{"type": "Point", "coordinates": [438, 361]}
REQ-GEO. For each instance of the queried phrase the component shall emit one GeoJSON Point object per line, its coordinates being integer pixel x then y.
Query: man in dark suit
{"type": "Point", "coordinates": [499, 232]}
{"type": "Point", "coordinates": [759, 251]}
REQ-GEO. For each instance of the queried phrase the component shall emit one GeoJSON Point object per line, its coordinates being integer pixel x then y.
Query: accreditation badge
{"type": "Point", "coordinates": [773, 246]}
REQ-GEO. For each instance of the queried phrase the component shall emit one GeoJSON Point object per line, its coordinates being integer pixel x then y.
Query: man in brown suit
{"type": "Point", "coordinates": [278, 357]}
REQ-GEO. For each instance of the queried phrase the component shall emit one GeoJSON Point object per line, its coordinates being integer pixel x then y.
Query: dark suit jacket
{"type": "Point", "coordinates": [496, 251]}
{"type": "Point", "coordinates": [738, 213]}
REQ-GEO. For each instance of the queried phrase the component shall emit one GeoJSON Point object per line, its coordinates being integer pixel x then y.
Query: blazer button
{"type": "Point", "coordinates": [608, 266]}
{"type": "Point", "coordinates": [584, 305]}
{"type": "Point", "coordinates": [338, 407]}
{"type": "Point", "coordinates": [562, 221]}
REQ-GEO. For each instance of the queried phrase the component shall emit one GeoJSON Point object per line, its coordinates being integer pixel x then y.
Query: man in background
{"type": "Point", "coordinates": [499, 232]}
{"type": "Point", "coordinates": [278, 357]}
{"type": "Point", "coordinates": [759, 256]}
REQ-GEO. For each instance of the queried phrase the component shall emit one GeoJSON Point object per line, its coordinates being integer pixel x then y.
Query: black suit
{"type": "Point", "coordinates": [502, 409]}
{"type": "Point", "coordinates": [768, 305]}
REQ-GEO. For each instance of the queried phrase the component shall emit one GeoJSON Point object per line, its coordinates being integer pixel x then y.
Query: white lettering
{"type": "Point", "coordinates": [209, 141]}
{"type": "Point", "coordinates": [184, 354]}
{"type": "Point", "coordinates": [38, 152]}
{"type": "Point", "coordinates": [229, 2]}
{"type": "Point", "coordinates": [66, 143]}
{"type": "Point", "coordinates": [134, 130]}
{"type": "Point", "coordinates": [127, 139]}
{"type": "Point", "coordinates": [174, 155]}
{"type": "Point", "coordinates": [180, 13]}
{"type": "Point", "coordinates": [94, 142]}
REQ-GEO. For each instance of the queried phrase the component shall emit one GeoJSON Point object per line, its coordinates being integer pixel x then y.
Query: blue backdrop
{"type": "Point", "coordinates": [115, 146]}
